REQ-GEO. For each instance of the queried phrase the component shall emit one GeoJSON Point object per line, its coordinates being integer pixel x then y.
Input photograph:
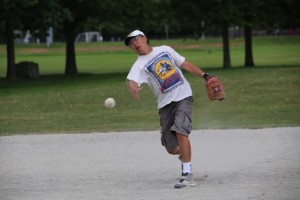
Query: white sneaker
{"type": "Point", "coordinates": [186, 180]}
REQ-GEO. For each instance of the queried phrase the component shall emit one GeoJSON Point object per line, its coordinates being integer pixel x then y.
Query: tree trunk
{"type": "Point", "coordinates": [10, 50]}
{"type": "Point", "coordinates": [248, 47]}
{"type": "Point", "coordinates": [226, 48]}
{"type": "Point", "coordinates": [71, 67]}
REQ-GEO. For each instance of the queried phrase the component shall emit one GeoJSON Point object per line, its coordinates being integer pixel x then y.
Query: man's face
{"type": "Point", "coordinates": [138, 44]}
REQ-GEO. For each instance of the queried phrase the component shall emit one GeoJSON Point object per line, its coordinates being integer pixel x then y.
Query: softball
{"type": "Point", "coordinates": [110, 102]}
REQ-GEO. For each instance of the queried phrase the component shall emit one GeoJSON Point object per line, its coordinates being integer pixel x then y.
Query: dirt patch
{"type": "Point", "coordinates": [38, 51]}
{"type": "Point", "coordinates": [95, 49]}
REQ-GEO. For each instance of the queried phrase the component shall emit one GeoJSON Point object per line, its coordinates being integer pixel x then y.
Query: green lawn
{"type": "Point", "coordinates": [108, 57]}
{"type": "Point", "coordinates": [264, 96]}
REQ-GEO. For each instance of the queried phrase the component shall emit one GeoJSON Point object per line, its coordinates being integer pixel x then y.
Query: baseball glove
{"type": "Point", "coordinates": [215, 89]}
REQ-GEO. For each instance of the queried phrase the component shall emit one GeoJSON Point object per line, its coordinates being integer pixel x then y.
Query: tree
{"type": "Point", "coordinates": [285, 15]}
{"type": "Point", "coordinates": [222, 13]}
{"type": "Point", "coordinates": [217, 15]}
{"type": "Point", "coordinates": [268, 14]}
{"type": "Point", "coordinates": [23, 15]}
{"type": "Point", "coordinates": [225, 20]}
{"type": "Point", "coordinates": [11, 15]}
{"type": "Point", "coordinates": [151, 16]}
{"type": "Point", "coordinates": [249, 10]}
{"type": "Point", "coordinates": [249, 62]}
{"type": "Point", "coordinates": [78, 12]}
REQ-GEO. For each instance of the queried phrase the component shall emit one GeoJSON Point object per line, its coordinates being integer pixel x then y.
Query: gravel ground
{"type": "Point", "coordinates": [228, 164]}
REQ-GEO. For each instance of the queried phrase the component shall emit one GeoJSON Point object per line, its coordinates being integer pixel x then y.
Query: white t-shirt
{"type": "Point", "coordinates": [160, 71]}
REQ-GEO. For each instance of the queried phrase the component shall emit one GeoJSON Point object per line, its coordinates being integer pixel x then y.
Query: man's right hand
{"type": "Point", "coordinates": [134, 89]}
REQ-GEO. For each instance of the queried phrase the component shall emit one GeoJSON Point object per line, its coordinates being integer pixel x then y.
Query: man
{"type": "Point", "coordinates": [159, 67]}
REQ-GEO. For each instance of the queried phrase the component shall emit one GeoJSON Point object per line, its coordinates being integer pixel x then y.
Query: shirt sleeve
{"type": "Point", "coordinates": [135, 74]}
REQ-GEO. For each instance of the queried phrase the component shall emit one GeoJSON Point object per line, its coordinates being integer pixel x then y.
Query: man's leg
{"type": "Point", "coordinates": [184, 148]}
{"type": "Point", "coordinates": [186, 179]}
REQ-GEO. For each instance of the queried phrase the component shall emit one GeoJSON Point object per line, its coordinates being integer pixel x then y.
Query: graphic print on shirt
{"type": "Point", "coordinates": [162, 69]}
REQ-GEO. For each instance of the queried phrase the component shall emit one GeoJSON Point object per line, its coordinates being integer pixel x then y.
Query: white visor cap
{"type": "Point", "coordinates": [132, 35]}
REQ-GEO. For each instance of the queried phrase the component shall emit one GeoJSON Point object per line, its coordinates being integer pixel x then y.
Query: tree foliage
{"type": "Point", "coordinates": [158, 18]}
{"type": "Point", "coordinates": [24, 15]}
{"type": "Point", "coordinates": [79, 14]}
{"type": "Point", "coordinates": [11, 14]}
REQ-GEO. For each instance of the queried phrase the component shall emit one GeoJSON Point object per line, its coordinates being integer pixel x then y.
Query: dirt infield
{"type": "Point", "coordinates": [239, 164]}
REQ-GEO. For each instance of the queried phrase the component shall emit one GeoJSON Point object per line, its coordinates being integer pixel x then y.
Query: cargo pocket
{"type": "Point", "coordinates": [187, 123]}
{"type": "Point", "coordinates": [162, 138]}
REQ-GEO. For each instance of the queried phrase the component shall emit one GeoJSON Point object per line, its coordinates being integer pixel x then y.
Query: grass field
{"type": "Point", "coordinates": [264, 96]}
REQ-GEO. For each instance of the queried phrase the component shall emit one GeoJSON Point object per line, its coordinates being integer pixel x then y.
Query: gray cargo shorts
{"type": "Point", "coordinates": [175, 118]}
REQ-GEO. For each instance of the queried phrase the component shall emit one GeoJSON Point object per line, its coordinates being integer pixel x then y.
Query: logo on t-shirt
{"type": "Point", "coordinates": [166, 75]}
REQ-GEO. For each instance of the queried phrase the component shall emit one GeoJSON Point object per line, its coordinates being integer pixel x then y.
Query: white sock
{"type": "Point", "coordinates": [186, 167]}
